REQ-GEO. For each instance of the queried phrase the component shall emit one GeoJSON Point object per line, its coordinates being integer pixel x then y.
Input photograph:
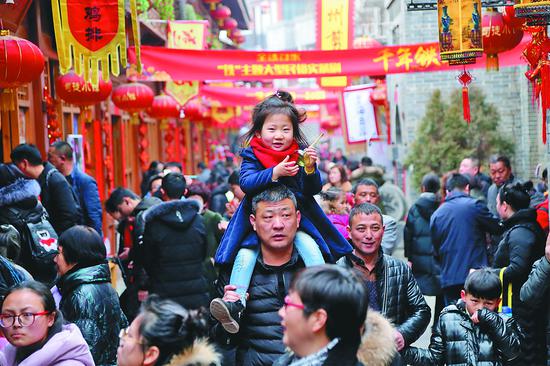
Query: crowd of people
{"type": "Point", "coordinates": [286, 258]}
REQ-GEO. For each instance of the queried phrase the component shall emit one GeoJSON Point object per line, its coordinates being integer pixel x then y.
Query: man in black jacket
{"type": "Point", "coordinates": [391, 287]}
{"type": "Point", "coordinates": [56, 193]}
{"type": "Point", "coordinates": [259, 341]}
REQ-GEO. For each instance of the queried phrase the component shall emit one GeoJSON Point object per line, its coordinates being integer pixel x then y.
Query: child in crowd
{"type": "Point", "coordinates": [271, 157]}
{"type": "Point", "coordinates": [336, 208]}
{"type": "Point", "coordinates": [471, 332]}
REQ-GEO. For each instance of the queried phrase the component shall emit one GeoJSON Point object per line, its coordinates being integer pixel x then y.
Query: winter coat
{"type": "Point", "coordinates": [536, 295]}
{"type": "Point", "coordinates": [218, 199]}
{"type": "Point", "coordinates": [378, 343]}
{"type": "Point", "coordinates": [85, 188]}
{"type": "Point", "coordinates": [389, 240]}
{"type": "Point", "coordinates": [521, 245]}
{"type": "Point", "coordinates": [59, 199]}
{"type": "Point", "coordinates": [173, 252]}
{"type": "Point", "coordinates": [418, 244]}
{"type": "Point", "coordinates": [66, 348]}
{"type": "Point", "coordinates": [201, 354]}
{"type": "Point", "coordinates": [341, 223]}
{"type": "Point", "coordinates": [89, 301]}
{"type": "Point", "coordinates": [255, 179]}
{"type": "Point", "coordinates": [400, 298]}
{"type": "Point", "coordinates": [458, 229]}
{"type": "Point", "coordinates": [456, 340]}
{"type": "Point", "coordinates": [341, 355]}
{"type": "Point", "coordinates": [259, 341]}
{"type": "Point", "coordinates": [492, 193]}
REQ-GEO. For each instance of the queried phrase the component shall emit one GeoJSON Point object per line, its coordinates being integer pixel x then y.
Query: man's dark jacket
{"type": "Point", "coordinates": [58, 199]}
{"type": "Point", "coordinates": [401, 300]}
{"type": "Point", "coordinates": [341, 355]}
{"type": "Point", "coordinates": [89, 301]}
{"type": "Point", "coordinates": [418, 244]}
{"type": "Point", "coordinates": [259, 341]}
{"type": "Point", "coordinates": [172, 252]}
{"type": "Point", "coordinates": [458, 230]}
{"type": "Point", "coordinates": [457, 341]}
{"type": "Point", "coordinates": [85, 188]}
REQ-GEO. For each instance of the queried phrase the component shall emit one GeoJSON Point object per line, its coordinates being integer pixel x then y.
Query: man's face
{"type": "Point", "coordinates": [26, 168]}
{"type": "Point", "coordinates": [467, 167]}
{"type": "Point", "coordinates": [366, 233]}
{"type": "Point", "coordinates": [500, 173]}
{"type": "Point", "coordinates": [298, 328]}
{"type": "Point", "coordinates": [276, 224]}
{"type": "Point", "coordinates": [55, 159]}
{"type": "Point", "coordinates": [126, 207]}
{"type": "Point", "coordinates": [366, 194]}
{"type": "Point", "coordinates": [473, 303]}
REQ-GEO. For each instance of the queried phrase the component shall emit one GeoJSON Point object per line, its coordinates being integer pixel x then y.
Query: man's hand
{"type": "Point", "coordinates": [399, 341]}
{"type": "Point", "coordinates": [230, 295]}
{"type": "Point", "coordinates": [310, 158]}
{"type": "Point", "coordinates": [222, 225]}
{"type": "Point", "coordinates": [124, 254]}
{"type": "Point", "coordinates": [285, 169]}
{"type": "Point", "coordinates": [547, 249]}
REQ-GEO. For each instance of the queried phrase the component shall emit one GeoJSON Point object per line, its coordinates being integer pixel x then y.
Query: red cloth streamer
{"type": "Point", "coordinates": [544, 95]}
{"type": "Point", "coordinates": [466, 104]}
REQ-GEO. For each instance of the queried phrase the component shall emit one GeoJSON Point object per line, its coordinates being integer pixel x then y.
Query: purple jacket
{"type": "Point", "coordinates": [66, 348]}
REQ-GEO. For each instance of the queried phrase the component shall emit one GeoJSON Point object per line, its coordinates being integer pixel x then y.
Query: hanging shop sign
{"type": "Point", "coordinates": [359, 114]}
{"type": "Point", "coordinates": [335, 32]}
{"type": "Point", "coordinates": [163, 64]}
{"type": "Point", "coordinates": [233, 96]}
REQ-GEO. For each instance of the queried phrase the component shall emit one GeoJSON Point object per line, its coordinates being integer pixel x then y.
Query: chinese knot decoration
{"type": "Point", "coordinates": [75, 90]}
{"type": "Point", "coordinates": [499, 34]}
{"type": "Point", "coordinates": [133, 98]}
{"type": "Point", "coordinates": [91, 36]}
{"type": "Point", "coordinates": [51, 117]}
{"type": "Point", "coordinates": [459, 31]}
{"type": "Point", "coordinates": [21, 62]}
{"type": "Point", "coordinates": [465, 78]}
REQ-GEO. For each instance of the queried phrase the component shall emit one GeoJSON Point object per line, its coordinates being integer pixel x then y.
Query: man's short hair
{"type": "Point", "coordinates": [365, 182]}
{"type": "Point", "coordinates": [274, 194]}
{"type": "Point", "coordinates": [431, 183]}
{"type": "Point", "coordinates": [173, 164]}
{"type": "Point", "coordinates": [366, 161]}
{"type": "Point", "coordinates": [365, 209]}
{"type": "Point", "coordinates": [116, 198]}
{"type": "Point", "coordinates": [457, 181]}
{"type": "Point", "coordinates": [340, 292]}
{"type": "Point", "coordinates": [234, 178]}
{"type": "Point", "coordinates": [474, 160]}
{"type": "Point", "coordinates": [27, 152]}
{"type": "Point", "coordinates": [501, 158]}
{"type": "Point", "coordinates": [484, 284]}
{"type": "Point", "coordinates": [199, 189]}
{"type": "Point", "coordinates": [174, 185]}
{"type": "Point", "coordinates": [201, 165]}
{"type": "Point", "coordinates": [64, 149]}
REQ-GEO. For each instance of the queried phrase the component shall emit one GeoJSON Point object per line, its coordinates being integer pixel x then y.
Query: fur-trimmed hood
{"type": "Point", "coordinates": [378, 343]}
{"type": "Point", "coordinates": [20, 190]}
{"type": "Point", "coordinates": [201, 354]}
{"type": "Point", "coordinates": [178, 213]}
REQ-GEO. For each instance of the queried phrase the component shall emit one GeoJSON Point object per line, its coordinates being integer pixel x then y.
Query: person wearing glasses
{"type": "Point", "coordinates": [87, 297]}
{"type": "Point", "coordinates": [165, 333]}
{"type": "Point", "coordinates": [36, 332]}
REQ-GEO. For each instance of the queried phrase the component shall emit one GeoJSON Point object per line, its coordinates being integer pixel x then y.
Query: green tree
{"type": "Point", "coordinates": [443, 138]}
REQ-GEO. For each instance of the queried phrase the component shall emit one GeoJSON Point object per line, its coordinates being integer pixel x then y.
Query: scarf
{"type": "Point", "coordinates": [269, 157]}
{"type": "Point", "coordinates": [316, 359]}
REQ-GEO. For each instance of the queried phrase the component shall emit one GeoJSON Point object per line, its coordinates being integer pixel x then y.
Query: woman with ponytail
{"type": "Point", "coordinates": [521, 245]}
{"type": "Point", "coordinates": [165, 333]}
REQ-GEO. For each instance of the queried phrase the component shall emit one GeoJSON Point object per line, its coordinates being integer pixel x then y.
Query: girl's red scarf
{"type": "Point", "coordinates": [269, 157]}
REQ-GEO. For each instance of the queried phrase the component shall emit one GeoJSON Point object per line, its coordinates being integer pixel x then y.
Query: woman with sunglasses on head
{"type": "Point", "coordinates": [36, 332]}
{"type": "Point", "coordinates": [165, 333]}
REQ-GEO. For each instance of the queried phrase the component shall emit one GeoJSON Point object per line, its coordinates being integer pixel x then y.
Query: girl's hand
{"type": "Point", "coordinates": [285, 169]}
{"type": "Point", "coordinates": [310, 158]}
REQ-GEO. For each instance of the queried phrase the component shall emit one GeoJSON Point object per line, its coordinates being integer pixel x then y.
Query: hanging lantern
{"type": "Point", "coordinates": [379, 96]}
{"type": "Point", "coordinates": [509, 16]}
{"type": "Point", "coordinates": [212, 3]}
{"type": "Point", "coordinates": [164, 107]}
{"type": "Point", "coordinates": [221, 13]}
{"type": "Point", "coordinates": [237, 37]}
{"type": "Point", "coordinates": [330, 124]}
{"type": "Point", "coordinates": [192, 110]}
{"type": "Point", "coordinates": [459, 31]}
{"type": "Point", "coordinates": [133, 98]}
{"type": "Point", "coordinates": [229, 25]}
{"type": "Point", "coordinates": [498, 36]}
{"type": "Point", "coordinates": [21, 62]}
{"type": "Point", "coordinates": [73, 89]}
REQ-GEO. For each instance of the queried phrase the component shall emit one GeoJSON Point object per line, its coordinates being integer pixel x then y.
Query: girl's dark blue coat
{"type": "Point", "coordinates": [255, 179]}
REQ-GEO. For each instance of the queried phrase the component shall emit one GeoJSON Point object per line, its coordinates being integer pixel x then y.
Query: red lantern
{"type": "Point", "coordinates": [509, 16]}
{"type": "Point", "coordinates": [133, 98]}
{"type": "Point", "coordinates": [237, 37]}
{"type": "Point", "coordinates": [20, 63]}
{"type": "Point", "coordinates": [212, 3]}
{"type": "Point", "coordinates": [221, 13]}
{"type": "Point", "coordinates": [163, 107]}
{"type": "Point", "coordinates": [498, 36]}
{"type": "Point", "coordinates": [229, 24]}
{"type": "Point", "coordinates": [74, 90]}
{"type": "Point", "coordinates": [379, 95]}
{"type": "Point", "coordinates": [192, 110]}
{"type": "Point", "coordinates": [329, 124]}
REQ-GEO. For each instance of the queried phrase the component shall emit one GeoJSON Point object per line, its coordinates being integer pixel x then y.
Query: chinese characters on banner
{"type": "Point", "coordinates": [90, 36]}
{"type": "Point", "coordinates": [187, 35]}
{"type": "Point", "coordinates": [335, 32]}
{"type": "Point", "coordinates": [359, 113]}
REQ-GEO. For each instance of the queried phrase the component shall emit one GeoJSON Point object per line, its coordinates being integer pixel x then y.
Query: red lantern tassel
{"type": "Point", "coordinates": [544, 95]}
{"type": "Point", "coordinates": [466, 105]}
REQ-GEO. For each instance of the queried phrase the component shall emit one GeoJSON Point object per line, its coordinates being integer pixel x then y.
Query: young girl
{"type": "Point", "coordinates": [337, 209]}
{"type": "Point", "coordinates": [272, 159]}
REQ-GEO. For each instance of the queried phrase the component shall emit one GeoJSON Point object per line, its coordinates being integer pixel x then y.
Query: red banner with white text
{"type": "Point", "coordinates": [162, 64]}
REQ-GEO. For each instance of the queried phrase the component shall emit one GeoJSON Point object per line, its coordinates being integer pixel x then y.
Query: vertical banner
{"type": "Point", "coordinates": [459, 24]}
{"type": "Point", "coordinates": [185, 35]}
{"type": "Point", "coordinates": [359, 114]}
{"type": "Point", "coordinates": [335, 32]}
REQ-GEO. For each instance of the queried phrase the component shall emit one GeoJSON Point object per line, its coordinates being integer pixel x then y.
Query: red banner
{"type": "Point", "coordinates": [252, 96]}
{"type": "Point", "coordinates": [164, 64]}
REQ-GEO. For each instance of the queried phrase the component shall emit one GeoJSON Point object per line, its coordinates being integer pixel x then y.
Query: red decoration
{"type": "Point", "coordinates": [498, 36]}
{"type": "Point", "coordinates": [465, 78]}
{"type": "Point", "coordinates": [237, 37]}
{"type": "Point", "coordinates": [51, 117]}
{"type": "Point", "coordinates": [142, 146]}
{"type": "Point", "coordinates": [229, 25]}
{"type": "Point", "coordinates": [510, 18]}
{"type": "Point", "coordinates": [107, 129]}
{"type": "Point", "coordinates": [74, 90]}
{"type": "Point", "coordinates": [133, 98]}
{"type": "Point", "coordinates": [212, 3]}
{"type": "Point", "coordinates": [379, 95]}
{"type": "Point", "coordinates": [221, 13]}
{"type": "Point", "coordinates": [195, 111]}
{"type": "Point", "coordinates": [164, 106]}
